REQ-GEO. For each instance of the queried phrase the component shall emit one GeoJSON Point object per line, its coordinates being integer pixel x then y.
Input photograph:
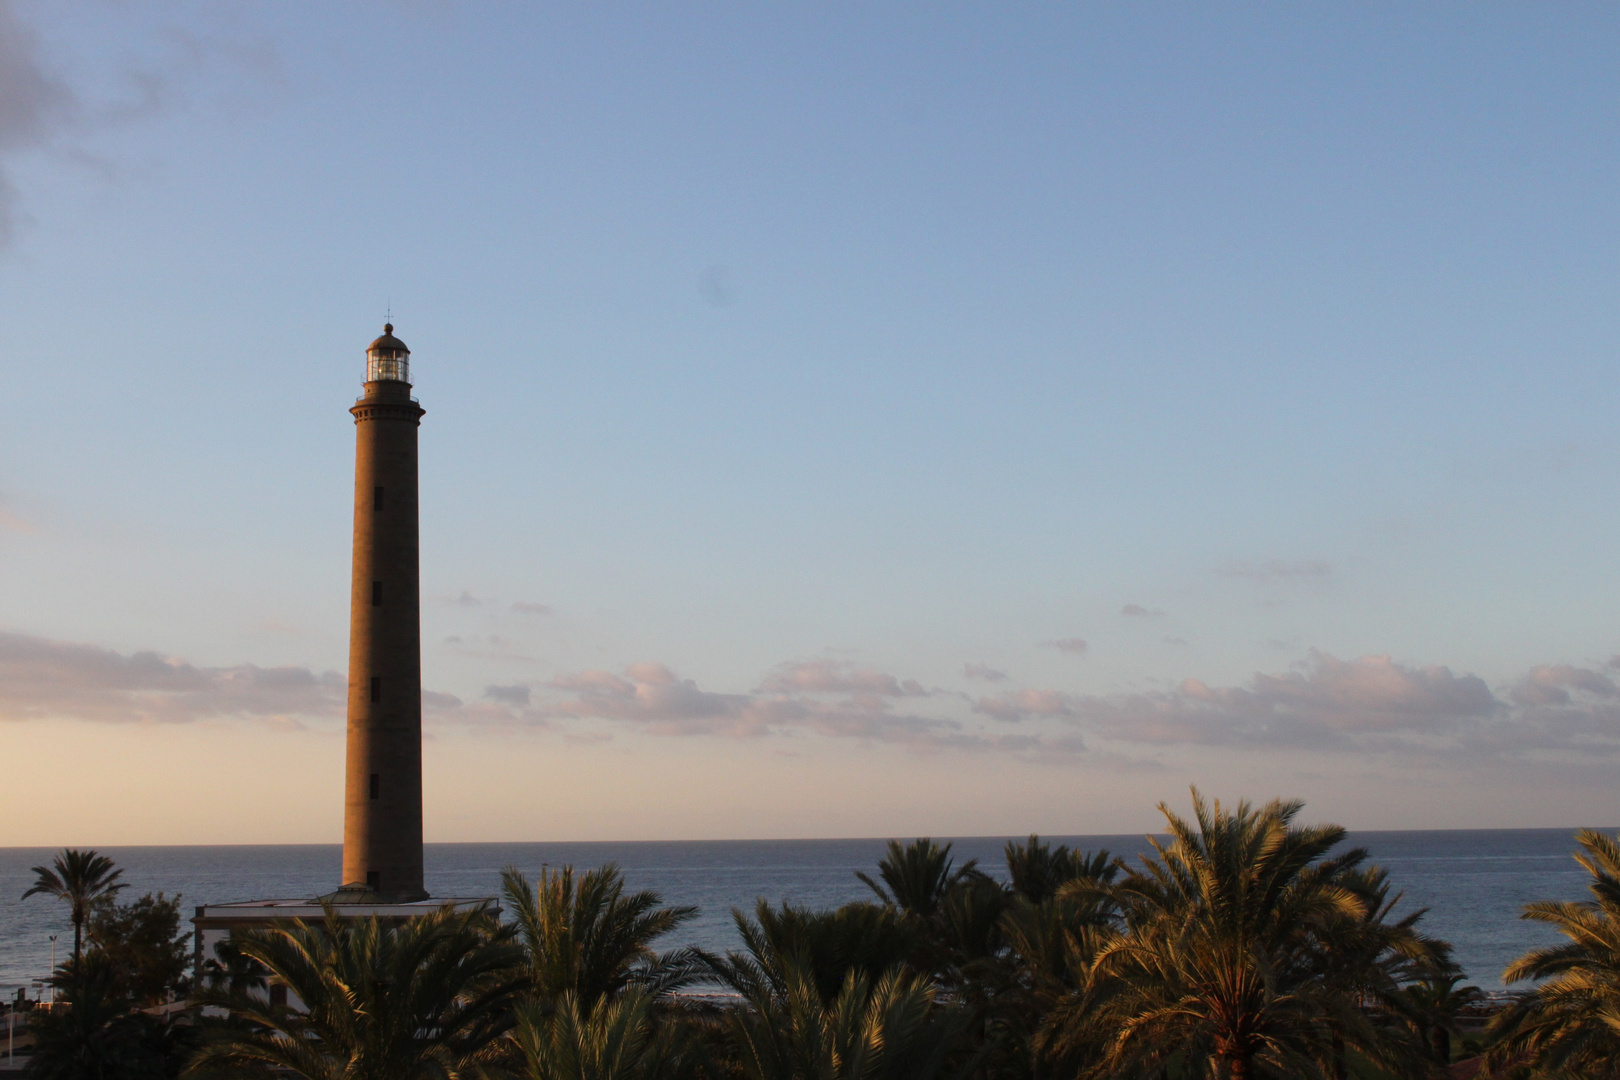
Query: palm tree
{"type": "Point", "coordinates": [1366, 961]}
{"type": "Point", "coordinates": [1567, 1025]}
{"type": "Point", "coordinates": [230, 970]}
{"type": "Point", "coordinates": [1037, 870]}
{"type": "Point", "coordinates": [1213, 971]}
{"type": "Point", "coordinates": [955, 911]}
{"type": "Point", "coordinates": [824, 947]}
{"type": "Point", "coordinates": [892, 1028]}
{"type": "Point", "coordinates": [1059, 897]}
{"type": "Point", "coordinates": [806, 977]}
{"type": "Point", "coordinates": [424, 1000]}
{"type": "Point", "coordinates": [619, 1040]}
{"type": "Point", "coordinates": [917, 877]}
{"type": "Point", "coordinates": [588, 937]}
{"type": "Point", "coordinates": [101, 1033]}
{"type": "Point", "coordinates": [81, 878]}
{"type": "Point", "coordinates": [1061, 910]}
{"type": "Point", "coordinates": [1432, 1004]}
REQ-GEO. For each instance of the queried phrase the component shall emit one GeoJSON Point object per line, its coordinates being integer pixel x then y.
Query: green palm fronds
{"type": "Point", "coordinates": [891, 1028]}
{"type": "Point", "coordinates": [1569, 1025]}
{"type": "Point", "coordinates": [1235, 955]}
{"type": "Point", "coordinates": [823, 946]}
{"type": "Point", "coordinates": [616, 1041]}
{"type": "Point", "coordinates": [586, 936]}
{"type": "Point", "coordinates": [425, 1000]}
{"type": "Point", "coordinates": [80, 878]}
{"type": "Point", "coordinates": [915, 878]}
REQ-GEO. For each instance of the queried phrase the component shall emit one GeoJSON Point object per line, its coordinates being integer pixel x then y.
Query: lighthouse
{"type": "Point", "coordinates": [382, 798]}
{"type": "Point", "coordinates": [382, 803]}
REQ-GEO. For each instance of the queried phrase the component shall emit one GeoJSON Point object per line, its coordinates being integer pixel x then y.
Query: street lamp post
{"type": "Point", "coordinates": [53, 969]}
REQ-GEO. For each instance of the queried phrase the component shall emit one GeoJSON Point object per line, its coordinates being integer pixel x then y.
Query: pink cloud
{"type": "Point", "coordinates": [1026, 704]}
{"type": "Point", "coordinates": [1550, 684]}
{"type": "Point", "coordinates": [42, 679]}
{"type": "Point", "coordinates": [1325, 702]}
{"type": "Point", "coordinates": [652, 695]}
{"type": "Point", "coordinates": [815, 698]}
{"type": "Point", "coordinates": [835, 677]}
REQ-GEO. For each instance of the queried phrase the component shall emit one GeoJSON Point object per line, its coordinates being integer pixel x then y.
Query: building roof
{"type": "Point", "coordinates": [311, 910]}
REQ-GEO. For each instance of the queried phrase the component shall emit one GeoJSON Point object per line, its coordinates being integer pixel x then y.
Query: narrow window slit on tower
{"type": "Point", "coordinates": [373, 880]}
{"type": "Point", "coordinates": [376, 786]}
{"type": "Point", "coordinates": [376, 688]}
{"type": "Point", "coordinates": [377, 498]}
{"type": "Point", "coordinates": [376, 594]}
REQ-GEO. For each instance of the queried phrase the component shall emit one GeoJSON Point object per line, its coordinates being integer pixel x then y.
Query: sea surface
{"type": "Point", "coordinates": [1474, 882]}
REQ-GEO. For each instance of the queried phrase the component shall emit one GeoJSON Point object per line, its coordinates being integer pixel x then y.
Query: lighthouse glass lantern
{"type": "Point", "coordinates": [388, 360]}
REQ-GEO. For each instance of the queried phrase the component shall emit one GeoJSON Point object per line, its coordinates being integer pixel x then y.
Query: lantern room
{"type": "Point", "coordinates": [387, 359]}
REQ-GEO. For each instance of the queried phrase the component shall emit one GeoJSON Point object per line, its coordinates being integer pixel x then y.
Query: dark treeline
{"type": "Point", "coordinates": [1246, 945]}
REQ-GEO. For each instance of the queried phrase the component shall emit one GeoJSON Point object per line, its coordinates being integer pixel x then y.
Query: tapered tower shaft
{"type": "Point", "coordinates": [382, 820]}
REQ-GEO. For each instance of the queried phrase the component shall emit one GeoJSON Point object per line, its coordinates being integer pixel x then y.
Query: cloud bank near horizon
{"type": "Point", "coordinates": [1373, 705]}
{"type": "Point", "coordinates": [42, 679]}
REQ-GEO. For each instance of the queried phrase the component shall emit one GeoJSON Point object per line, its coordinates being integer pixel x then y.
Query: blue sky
{"type": "Point", "coordinates": [804, 385]}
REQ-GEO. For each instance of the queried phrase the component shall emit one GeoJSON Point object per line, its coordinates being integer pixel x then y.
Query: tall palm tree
{"type": "Point", "coordinates": [80, 878]}
{"type": "Point", "coordinates": [1212, 971]}
{"type": "Point", "coordinates": [425, 1000]}
{"type": "Point", "coordinates": [1569, 1025]}
{"type": "Point", "coordinates": [588, 937]}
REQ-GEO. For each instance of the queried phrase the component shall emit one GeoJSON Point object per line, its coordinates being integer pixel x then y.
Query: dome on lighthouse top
{"type": "Point", "coordinates": [388, 342]}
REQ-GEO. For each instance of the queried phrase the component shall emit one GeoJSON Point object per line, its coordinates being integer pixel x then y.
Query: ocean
{"type": "Point", "coordinates": [1474, 882]}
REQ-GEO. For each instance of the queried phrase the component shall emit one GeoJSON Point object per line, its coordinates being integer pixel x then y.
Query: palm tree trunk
{"type": "Point", "coordinates": [1340, 1069]}
{"type": "Point", "coordinates": [78, 928]}
{"type": "Point", "coordinates": [1239, 1067]}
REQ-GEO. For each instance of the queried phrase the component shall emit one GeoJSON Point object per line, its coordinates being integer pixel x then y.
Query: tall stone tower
{"type": "Point", "coordinates": [382, 815]}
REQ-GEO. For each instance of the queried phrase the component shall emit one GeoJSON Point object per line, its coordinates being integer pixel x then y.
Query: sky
{"type": "Point", "coordinates": [842, 419]}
